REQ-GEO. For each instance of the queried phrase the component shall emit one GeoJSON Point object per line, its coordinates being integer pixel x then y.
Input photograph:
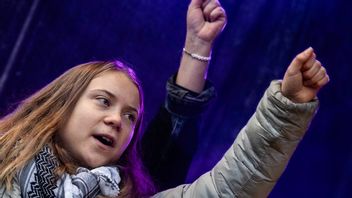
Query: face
{"type": "Point", "coordinates": [102, 123]}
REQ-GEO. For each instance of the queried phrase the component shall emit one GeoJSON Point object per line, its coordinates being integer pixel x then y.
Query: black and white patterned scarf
{"type": "Point", "coordinates": [37, 179]}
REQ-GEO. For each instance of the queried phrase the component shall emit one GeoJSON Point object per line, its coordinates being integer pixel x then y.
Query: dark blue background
{"type": "Point", "coordinates": [260, 40]}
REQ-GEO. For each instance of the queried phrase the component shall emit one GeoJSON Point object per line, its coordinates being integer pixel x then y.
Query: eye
{"type": "Point", "coordinates": [131, 117]}
{"type": "Point", "coordinates": [103, 101]}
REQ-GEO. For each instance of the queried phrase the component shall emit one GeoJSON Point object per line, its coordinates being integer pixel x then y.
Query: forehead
{"type": "Point", "coordinates": [118, 84]}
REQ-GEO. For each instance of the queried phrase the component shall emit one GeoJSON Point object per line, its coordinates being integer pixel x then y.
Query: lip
{"type": "Point", "coordinates": [101, 145]}
{"type": "Point", "coordinates": [107, 135]}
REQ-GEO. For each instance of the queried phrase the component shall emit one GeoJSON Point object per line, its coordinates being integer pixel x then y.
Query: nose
{"type": "Point", "coordinates": [113, 120]}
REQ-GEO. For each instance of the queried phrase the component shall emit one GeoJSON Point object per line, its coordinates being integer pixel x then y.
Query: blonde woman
{"type": "Point", "coordinates": [57, 140]}
{"type": "Point", "coordinates": [78, 136]}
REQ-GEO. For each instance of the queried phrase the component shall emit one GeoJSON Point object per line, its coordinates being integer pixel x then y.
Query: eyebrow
{"type": "Point", "coordinates": [111, 95]}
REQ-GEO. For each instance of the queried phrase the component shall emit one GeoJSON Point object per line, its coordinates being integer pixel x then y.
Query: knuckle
{"type": "Point", "coordinates": [323, 70]}
{"type": "Point", "coordinates": [318, 63]}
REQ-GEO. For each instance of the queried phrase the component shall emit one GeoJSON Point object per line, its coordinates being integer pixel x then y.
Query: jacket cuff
{"type": "Point", "coordinates": [186, 103]}
{"type": "Point", "coordinates": [292, 116]}
{"type": "Point", "coordinates": [277, 98]}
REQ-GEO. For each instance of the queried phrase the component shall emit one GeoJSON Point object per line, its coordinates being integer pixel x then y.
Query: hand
{"type": "Point", "coordinates": [205, 20]}
{"type": "Point", "coordinates": [304, 77]}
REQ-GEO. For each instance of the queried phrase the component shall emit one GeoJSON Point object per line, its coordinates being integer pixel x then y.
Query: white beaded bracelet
{"type": "Point", "coordinates": [197, 56]}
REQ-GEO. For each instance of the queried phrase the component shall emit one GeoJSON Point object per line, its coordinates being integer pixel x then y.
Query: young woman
{"type": "Point", "coordinates": [40, 137]}
{"type": "Point", "coordinates": [90, 117]}
{"type": "Point", "coordinates": [77, 137]}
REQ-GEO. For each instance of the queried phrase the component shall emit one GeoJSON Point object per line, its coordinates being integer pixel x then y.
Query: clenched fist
{"type": "Point", "coordinates": [304, 77]}
{"type": "Point", "coordinates": [205, 20]}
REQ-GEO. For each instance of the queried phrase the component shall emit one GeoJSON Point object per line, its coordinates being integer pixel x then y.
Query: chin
{"type": "Point", "coordinates": [94, 163]}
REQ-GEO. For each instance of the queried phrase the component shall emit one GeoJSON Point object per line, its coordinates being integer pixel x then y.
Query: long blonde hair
{"type": "Point", "coordinates": [35, 122]}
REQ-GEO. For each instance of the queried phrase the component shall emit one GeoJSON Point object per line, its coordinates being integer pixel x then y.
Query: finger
{"type": "Point", "coordinates": [310, 62]}
{"type": "Point", "coordinates": [317, 77]}
{"type": "Point", "coordinates": [218, 14]}
{"type": "Point", "coordinates": [212, 5]}
{"type": "Point", "coordinates": [312, 71]}
{"type": "Point", "coordinates": [321, 83]}
{"type": "Point", "coordinates": [205, 2]}
{"type": "Point", "coordinates": [299, 60]}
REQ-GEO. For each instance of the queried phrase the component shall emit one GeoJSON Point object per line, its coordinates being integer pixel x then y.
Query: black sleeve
{"type": "Point", "coordinates": [171, 138]}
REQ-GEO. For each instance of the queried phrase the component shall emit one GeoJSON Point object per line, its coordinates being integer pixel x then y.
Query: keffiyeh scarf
{"type": "Point", "coordinates": [37, 179]}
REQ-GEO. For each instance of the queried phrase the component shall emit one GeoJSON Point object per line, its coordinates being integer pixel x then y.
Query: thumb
{"type": "Point", "coordinates": [298, 62]}
{"type": "Point", "coordinates": [196, 3]}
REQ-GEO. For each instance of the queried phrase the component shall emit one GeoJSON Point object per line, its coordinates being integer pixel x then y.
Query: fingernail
{"type": "Point", "coordinates": [307, 51]}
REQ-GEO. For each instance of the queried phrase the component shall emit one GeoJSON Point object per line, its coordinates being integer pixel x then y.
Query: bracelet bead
{"type": "Point", "coordinates": [197, 56]}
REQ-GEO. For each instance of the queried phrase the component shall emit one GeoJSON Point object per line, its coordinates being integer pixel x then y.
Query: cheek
{"type": "Point", "coordinates": [81, 119]}
{"type": "Point", "coordinates": [126, 140]}
{"type": "Point", "coordinates": [78, 125]}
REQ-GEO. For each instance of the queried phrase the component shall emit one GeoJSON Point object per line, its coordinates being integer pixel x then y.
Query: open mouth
{"type": "Point", "coordinates": [104, 140]}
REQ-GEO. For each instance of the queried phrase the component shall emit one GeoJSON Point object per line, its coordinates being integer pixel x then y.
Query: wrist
{"type": "Point", "coordinates": [297, 97]}
{"type": "Point", "coordinates": [196, 45]}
